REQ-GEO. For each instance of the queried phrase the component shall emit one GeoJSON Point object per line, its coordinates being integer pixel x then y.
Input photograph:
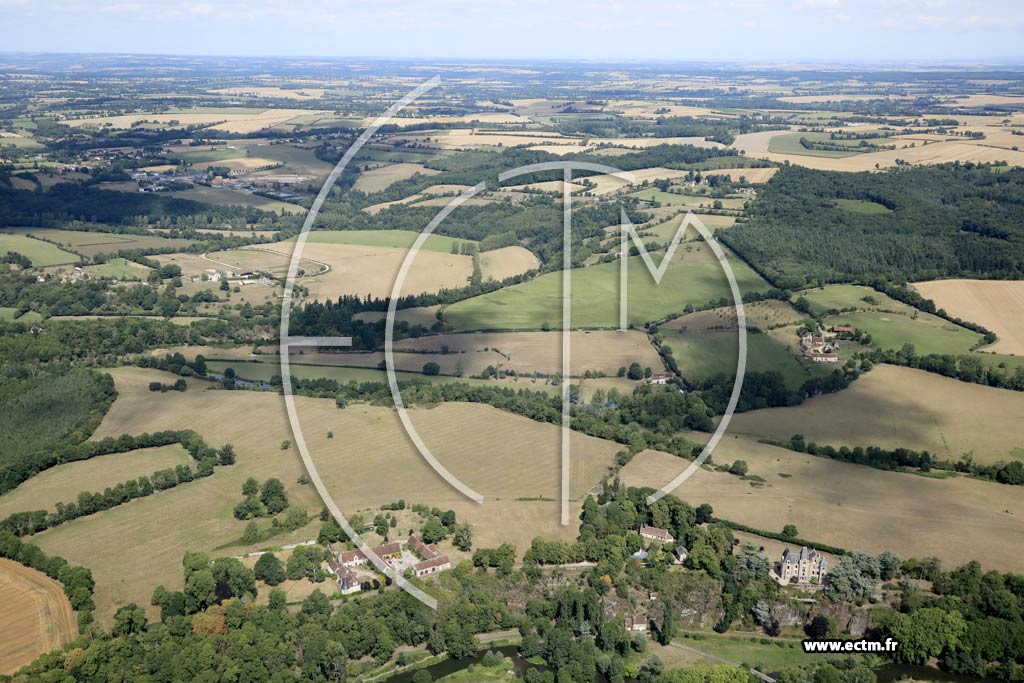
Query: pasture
{"type": "Point", "coordinates": [928, 333]}
{"type": "Point", "coordinates": [851, 506]}
{"type": "Point", "coordinates": [353, 367]}
{"type": "Point", "coordinates": [895, 407]}
{"type": "Point", "coordinates": [381, 178]}
{"type": "Point", "coordinates": [703, 354]}
{"type": "Point", "coordinates": [527, 352]}
{"type": "Point", "coordinates": [694, 277]}
{"type": "Point", "coordinates": [842, 297]}
{"type": "Point", "coordinates": [998, 305]}
{"type": "Point", "coordinates": [218, 197]}
{"type": "Point", "coordinates": [92, 243]}
{"type": "Point", "coordinates": [35, 616]}
{"type": "Point", "coordinates": [39, 252]}
{"type": "Point", "coordinates": [369, 462]}
{"type": "Point", "coordinates": [120, 268]}
{"type": "Point", "coordinates": [397, 239]}
{"type": "Point", "coordinates": [63, 483]}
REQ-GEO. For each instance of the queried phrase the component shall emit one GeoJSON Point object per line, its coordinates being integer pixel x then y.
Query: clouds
{"type": "Point", "coordinates": [806, 30]}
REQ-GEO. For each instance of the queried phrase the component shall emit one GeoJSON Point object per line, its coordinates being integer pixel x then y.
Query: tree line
{"type": "Point", "coordinates": [87, 502]}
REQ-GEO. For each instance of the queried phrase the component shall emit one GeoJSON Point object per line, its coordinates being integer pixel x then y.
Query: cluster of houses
{"type": "Point", "coordinates": [242, 277]}
{"type": "Point", "coordinates": [422, 559]}
{"type": "Point", "coordinates": [823, 348]}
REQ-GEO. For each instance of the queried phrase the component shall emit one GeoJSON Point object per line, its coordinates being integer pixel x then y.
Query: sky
{"type": "Point", "coordinates": [888, 31]}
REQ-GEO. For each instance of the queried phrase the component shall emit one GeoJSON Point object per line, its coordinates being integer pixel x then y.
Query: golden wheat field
{"type": "Point", "coordinates": [997, 305]}
{"type": "Point", "coordinates": [852, 506]}
{"type": "Point", "coordinates": [507, 261]}
{"type": "Point", "coordinates": [35, 616]}
{"type": "Point", "coordinates": [895, 407]}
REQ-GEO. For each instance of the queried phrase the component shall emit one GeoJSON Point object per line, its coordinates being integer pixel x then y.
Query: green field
{"type": "Point", "coordinates": [119, 268]}
{"type": "Point", "coordinates": [215, 197]}
{"type": "Point", "coordinates": [928, 333]}
{"type": "Point", "coordinates": [863, 206]}
{"type": "Point", "coordinates": [257, 371]}
{"type": "Point", "coordinates": [840, 297]}
{"type": "Point", "coordinates": [752, 652]}
{"type": "Point", "coordinates": [695, 278]}
{"type": "Point", "coordinates": [400, 239]}
{"type": "Point", "coordinates": [653, 194]}
{"type": "Point", "coordinates": [39, 252]}
{"type": "Point", "coordinates": [790, 144]}
{"type": "Point", "coordinates": [704, 354]}
{"type": "Point", "coordinates": [201, 155]}
{"type": "Point", "coordinates": [8, 313]}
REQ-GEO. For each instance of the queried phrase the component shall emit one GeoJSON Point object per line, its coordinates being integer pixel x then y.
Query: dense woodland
{"type": "Point", "coordinates": [913, 223]}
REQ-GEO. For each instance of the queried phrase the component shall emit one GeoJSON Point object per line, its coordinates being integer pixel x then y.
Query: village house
{"type": "Point", "coordinates": [344, 577]}
{"type": "Point", "coordinates": [661, 378]}
{"type": "Point", "coordinates": [681, 554]}
{"type": "Point", "coordinates": [636, 623]}
{"type": "Point", "coordinates": [427, 567]}
{"type": "Point", "coordinates": [656, 534]}
{"type": "Point", "coordinates": [806, 566]}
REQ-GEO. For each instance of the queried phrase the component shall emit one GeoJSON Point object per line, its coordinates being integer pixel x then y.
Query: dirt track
{"type": "Point", "coordinates": [35, 617]}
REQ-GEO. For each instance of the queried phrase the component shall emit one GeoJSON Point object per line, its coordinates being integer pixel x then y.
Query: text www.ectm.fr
{"type": "Point", "coordinates": [888, 645]}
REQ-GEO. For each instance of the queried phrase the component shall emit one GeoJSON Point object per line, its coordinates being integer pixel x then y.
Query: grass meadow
{"type": "Point", "coordinates": [694, 278]}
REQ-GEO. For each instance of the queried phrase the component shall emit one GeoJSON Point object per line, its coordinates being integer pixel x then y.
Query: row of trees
{"type": "Point", "coordinates": [87, 502]}
{"type": "Point", "coordinates": [1004, 472]}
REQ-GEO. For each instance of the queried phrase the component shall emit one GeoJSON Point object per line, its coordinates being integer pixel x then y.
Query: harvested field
{"type": "Point", "coordinates": [35, 616]}
{"type": "Point", "coordinates": [852, 506]}
{"type": "Point", "coordinates": [998, 305]}
{"type": "Point", "coordinates": [63, 483]}
{"type": "Point", "coordinates": [380, 178]}
{"type": "Point", "coordinates": [504, 456]}
{"type": "Point", "coordinates": [752, 175]}
{"type": "Point", "coordinates": [606, 184]}
{"type": "Point", "coordinates": [507, 261]}
{"type": "Point", "coordinates": [896, 407]}
{"type": "Point", "coordinates": [526, 352]}
{"type": "Point", "coordinates": [228, 119]}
